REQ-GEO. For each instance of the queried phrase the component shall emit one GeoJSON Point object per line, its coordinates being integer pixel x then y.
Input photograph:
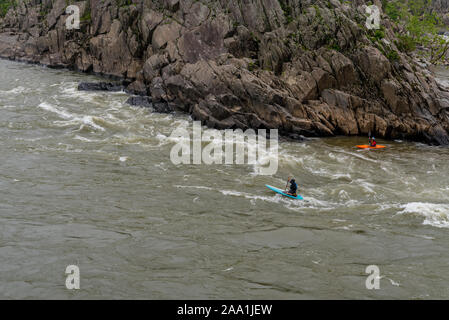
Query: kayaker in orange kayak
{"type": "Point", "coordinates": [372, 142]}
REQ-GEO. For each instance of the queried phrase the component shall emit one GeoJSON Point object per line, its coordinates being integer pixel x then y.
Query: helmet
{"type": "Point", "coordinates": [373, 138]}
{"type": "Point", "coordinates": [292, 180]}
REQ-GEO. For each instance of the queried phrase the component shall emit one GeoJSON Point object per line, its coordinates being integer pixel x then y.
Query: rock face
{"type": "Point", "coordinates": [140, 102]}
{"type": "Point", "coordinates": [100, 86]}
{"type": "Point", "coordinates": [304, 67]}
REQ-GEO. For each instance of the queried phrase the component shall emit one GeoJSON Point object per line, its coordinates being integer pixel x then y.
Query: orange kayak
{"type": "Point", "coordinates": [365, 146]}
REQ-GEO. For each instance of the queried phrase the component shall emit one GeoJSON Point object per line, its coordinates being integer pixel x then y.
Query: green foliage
{"type": "Point", "coordinates": [5, 5]}
{"type": "Point", "coordinates": [378, 34]}
{"type": "Point", "coordinates": [393, 56]}
{"type": "Point", "coordinates": [253, 65]}
{"type": "Point", "coordinates": [396, 10]}
{"type": "Point", "coordinates": [288, 12]}
{"type": "Point", "coordinates": [335, 46]}
{"type": "Point", "coordinates": [416, 16]}
{"type": "Point", "coordinates": [123, 3]}
{"type": "Point", "coordinates": [438, 47]}
{"type": "Point", "coordinates": [86, 17]}
{"type": "Point", "coordinates": [419, 7]}
{"type": "Point", "coordinates": [405, 43]}
{"type": "Point", "coordinates": [421, 25]}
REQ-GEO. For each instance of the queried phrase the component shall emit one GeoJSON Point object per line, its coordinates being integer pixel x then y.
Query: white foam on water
{"type": "Point", "coordinates": [346, 228]}
{"type": "Point", "coordinates": [310, 202]}
{"type": "Point", "coordinates": [119, 139]}
{"type": "Point", "coordinates": [115, 106]}
{"type": "Point", "coordinates": [386, 206]}
{"type": "Point", "coordinates": [161, 167]}
{"type": "Point", "coordinates": [360, 156]}
{"type": "Point", "coordinates": [387, 170]}
{"type": "Point", "coordinates": [87, 98]}
{"type": "Point", "coordinates": [274, 198]}
{"type": "Point", "coordinates": [16, 90]}
{"type": "Point", "coordinates": [434, 214]}
{"type": "Point", "coordinates": [77, 137]}
{"type": "Point", "coordinates": [28, 139]}
{"type": "Point", "coordinates": [367, 186]}
{"type": "Point", "coordinates": [70, 117]}
{"type": "Point", "coordinates": [319, 172]}
{"type": "Point", "coordinates": [70, 89]}
{"type": "Point", "coordinates": [425, 237]}
{"type": "Point", "coordinates": [394, 283]}
{"type": "Point", "coordinates": [123, 159]}
{"type": "Point", "coordinates": [351, 203]}
{"type": "Point", "coordinates": [234, 193]}
{"type": "Point", "coordinates": [61, 113]}
{"type": "Point", "coordinates": [328, 174]}
{"type": "Point", "coordinates": [338, 158]}
{"type": "Point", "coordinates": [336, 176]}
{"type": "Point", "coordinates": [194, 187]}
{"type": "Point", "coordinates": [343, 194]}
{"type": "Point", "coordinates": [162, 140]}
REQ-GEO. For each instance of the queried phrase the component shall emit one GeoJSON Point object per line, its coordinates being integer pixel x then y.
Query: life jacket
{"type": "Point", "coordinates": [373, 143]}
{"type": "Point", "coordinates": [293, 187]}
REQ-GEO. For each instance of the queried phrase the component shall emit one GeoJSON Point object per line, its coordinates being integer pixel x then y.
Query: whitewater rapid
{"type": "Point", "coordinates": [87, 179]}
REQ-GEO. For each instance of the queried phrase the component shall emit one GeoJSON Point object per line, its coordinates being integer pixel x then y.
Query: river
{"type": "Point", "coordinates": [86, 180]}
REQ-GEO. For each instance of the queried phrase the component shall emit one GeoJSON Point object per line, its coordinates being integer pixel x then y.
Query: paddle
{"type": "Point", "coordinates": [287, 183]}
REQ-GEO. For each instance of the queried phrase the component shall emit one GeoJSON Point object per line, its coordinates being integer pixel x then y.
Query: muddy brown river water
{"type": "Point", "coordinates": [86, 180]}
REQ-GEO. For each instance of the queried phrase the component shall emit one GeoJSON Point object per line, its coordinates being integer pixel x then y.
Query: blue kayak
{"type": "Point", "coordinates": [283, 193]}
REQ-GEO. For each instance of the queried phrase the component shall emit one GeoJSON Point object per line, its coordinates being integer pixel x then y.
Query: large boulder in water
{"type": "Point", "coordinates": [100, 86]}
{"type": "Point", "coordinates": [140, 101]}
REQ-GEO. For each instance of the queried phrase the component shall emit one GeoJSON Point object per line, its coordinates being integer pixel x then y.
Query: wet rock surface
{"type": "Point", "coordinates": [140, 102]}
{"type": "Point", "coordinates": [100, 86]}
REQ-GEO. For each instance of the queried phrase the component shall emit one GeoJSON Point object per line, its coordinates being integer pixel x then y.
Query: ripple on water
{"type": "Point", "coordinates": [435, 214]}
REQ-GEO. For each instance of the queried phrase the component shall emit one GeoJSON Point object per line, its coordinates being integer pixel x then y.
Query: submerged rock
{"type": "Point", "coordinates": [100, 86]}
{"type": "Point", "coordinates": [163, 107]}
{"type": "Point", "coordinates": [146, 102]}
{"type": "Point", "coordinates": [140, 101]}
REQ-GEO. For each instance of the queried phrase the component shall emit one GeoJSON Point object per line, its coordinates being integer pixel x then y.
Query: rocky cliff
{"type": "Point", "coordinates": [440, 6]}
{"type": "Point", "coordinates": [305, 67]}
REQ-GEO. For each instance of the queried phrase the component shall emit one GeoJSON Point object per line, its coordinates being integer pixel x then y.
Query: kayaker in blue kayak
{"type": "Point", "coordinates": [293, 188]}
